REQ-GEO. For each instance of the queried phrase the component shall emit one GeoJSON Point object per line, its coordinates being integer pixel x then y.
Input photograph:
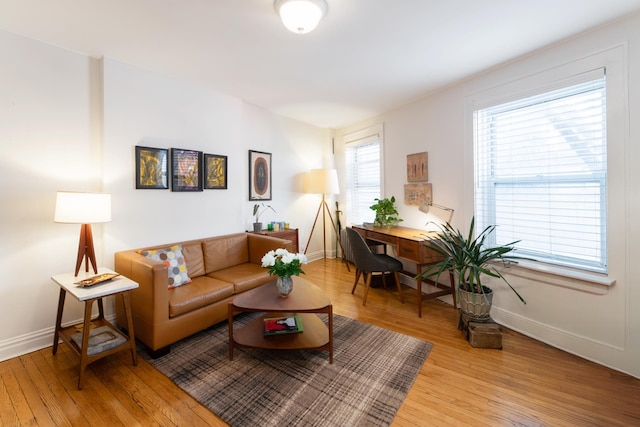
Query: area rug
{"type": "Point", "coordinates": [372, 372]}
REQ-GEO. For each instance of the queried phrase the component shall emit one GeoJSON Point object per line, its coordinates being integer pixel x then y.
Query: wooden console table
{"type": "Point", "coordinates": [409, 244]}
{"type": "Point", "coordinates": [289, 234]}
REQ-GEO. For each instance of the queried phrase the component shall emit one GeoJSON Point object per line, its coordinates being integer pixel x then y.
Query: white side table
{"type": "Point", "coordinates": [98, 337]}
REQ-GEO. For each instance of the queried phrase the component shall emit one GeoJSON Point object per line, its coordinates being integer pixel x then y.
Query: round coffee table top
{"type": "Point", "coordinates": [304, 296]}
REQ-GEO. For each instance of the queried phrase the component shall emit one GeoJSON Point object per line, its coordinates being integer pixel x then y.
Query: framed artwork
{"type": "Point", "coordinates": [185, 170]}
{"type": "Point", "coordinates": [259, 175]}
{"type": "Point", "coordinates": [151, 168]}
{"type": "Point", "coordinates": [417, 194]}
{"type": "Point", "coordinates": [417, 170]}
{"type": "Point", "coordinates": [215, 172]}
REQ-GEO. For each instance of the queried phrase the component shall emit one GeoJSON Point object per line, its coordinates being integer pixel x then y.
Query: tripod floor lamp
{"type": "Point", "coordinates": [324, 181]}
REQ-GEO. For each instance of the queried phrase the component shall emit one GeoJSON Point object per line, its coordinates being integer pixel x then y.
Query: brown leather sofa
{"type": "Point", "coordinates": [220, 268]}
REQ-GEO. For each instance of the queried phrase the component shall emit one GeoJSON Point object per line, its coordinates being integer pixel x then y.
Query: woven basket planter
{"type": "Point", "coordinates": [476, 306]}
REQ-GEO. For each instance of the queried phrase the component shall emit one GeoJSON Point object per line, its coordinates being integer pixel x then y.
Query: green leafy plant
{"type": "Point", "coordinates": [281, 262]}
{"type": "Point", "coordinates": [257, 211]}
{"type": "Point", "coordinates": [468, 257]}
{"type": "Point", "coordinates": [386, 212]}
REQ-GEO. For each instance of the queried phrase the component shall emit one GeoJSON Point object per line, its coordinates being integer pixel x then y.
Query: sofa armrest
{"type": "Point", "coordinates": [259, 244]}
{"type": "Point", "coordinates": [151, 299]}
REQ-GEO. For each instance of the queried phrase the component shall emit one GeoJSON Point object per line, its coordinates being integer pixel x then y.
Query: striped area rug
{"type": "Point", "coordinates": [372, 372]}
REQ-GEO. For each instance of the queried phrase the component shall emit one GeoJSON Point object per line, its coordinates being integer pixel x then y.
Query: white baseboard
{"type": "Point", "coordinates": [34, 341]}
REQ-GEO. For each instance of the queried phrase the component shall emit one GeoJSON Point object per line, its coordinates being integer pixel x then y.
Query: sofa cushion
{"type": "Point", "coordinates": [195, 260]}
{"type": "Point", "coordinates": [201, 292]}
{"type": "Point", "coordinates": [244, 276]}
{"type": "Point", "coordinates": [173, 258]}
{"type": "Point", "coordinates": [225, 251]}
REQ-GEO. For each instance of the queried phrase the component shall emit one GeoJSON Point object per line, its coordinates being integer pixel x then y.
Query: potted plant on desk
{"type": "Point", "coordinates": [257, 225]}
{"type": "Point", "coordinates": [469, 257]}
{"type": "Point", "coordinates": [386, 212]}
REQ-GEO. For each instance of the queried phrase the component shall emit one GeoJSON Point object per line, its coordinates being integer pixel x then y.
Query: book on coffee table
{"type": "Point", "coordinates": [282, 325]}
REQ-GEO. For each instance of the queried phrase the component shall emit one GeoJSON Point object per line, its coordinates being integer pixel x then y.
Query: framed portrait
{"type": "Point", "coordinates": [417, 167]}
{"type": "Point", "coordinates": [186, 172]}
{"type": "Point", "coordinates": [259, 175]}
{"type": "Point", "coordinates": [417, 194]}
{"type": "Point", "coordinates": [151, 168]}
{"type": "Point", "coordinates": [215, 172]}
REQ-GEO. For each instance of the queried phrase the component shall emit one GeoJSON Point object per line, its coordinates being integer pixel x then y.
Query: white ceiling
{"type": "Point", "coordinates": [365, 57]}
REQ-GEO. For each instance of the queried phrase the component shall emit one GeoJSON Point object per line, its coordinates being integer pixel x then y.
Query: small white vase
{"type": "Point", "coordinates": [284, 285]}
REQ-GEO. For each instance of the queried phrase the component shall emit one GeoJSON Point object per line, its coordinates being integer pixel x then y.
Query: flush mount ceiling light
{"type": "Point", "coordinates": [301, 16]}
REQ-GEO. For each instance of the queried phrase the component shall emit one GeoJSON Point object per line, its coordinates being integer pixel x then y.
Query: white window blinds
{"type": "Point", "coordinates": [541, 174]}
{"type": "Point", "coordinates": [362, 160]}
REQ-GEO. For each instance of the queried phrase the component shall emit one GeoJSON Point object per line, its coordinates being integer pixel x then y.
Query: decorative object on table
{"type": "Point", "coordinates": [386, 212]}
{"type": "Point", "coordinates": [84, 209]}
{"type": "Point", "coordinates": [151, 168]}
{"type": "Point", "coordinates": [215, 172]}
{"type": "Point", "coordinates": [259, 175]}
{"type": "Point", "coordinates": [469, 257]}
{"type": "Point", "coordinates": [426, 208]}
{"type": "Point", "coordinates": [284, 264]}
{"type": "Point", "coordinates": [301, 16]}
{"type": "Point", "coordinates": [186, 169]}
{"type": "Point", "coordinates": [95, 280]}
{"type": "Point", "coordinates": [417, 169]}
{"type": "Point", "coordinates": [417, 194]}
{"type": "Point", "coordinates": [323, 181]}
{"type": "Point", "coordinates": [259, 209]}
{"type": "Point", "coordinates": [283, 325]}
{"type": "Point", "coordinates": [380, 384]}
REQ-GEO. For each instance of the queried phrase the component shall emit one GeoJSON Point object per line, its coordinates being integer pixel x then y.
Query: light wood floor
{"type": "Point", "coordinates": [525, 384]}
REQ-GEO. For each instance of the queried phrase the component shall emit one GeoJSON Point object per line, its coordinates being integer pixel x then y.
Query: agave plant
{"type": "Point", "coordinates": [469, 257]}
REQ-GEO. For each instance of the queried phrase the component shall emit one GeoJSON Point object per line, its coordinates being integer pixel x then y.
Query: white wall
{"type": "Point", "coordinates": [69, 122]}
{"type": "Point", "coordinates": [601, 327]}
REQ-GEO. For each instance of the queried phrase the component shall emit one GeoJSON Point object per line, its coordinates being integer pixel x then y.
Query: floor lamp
{"type": "Point", "coordinates": [84, 209]}
{"type": "Point", "coordinates": [324, 181]}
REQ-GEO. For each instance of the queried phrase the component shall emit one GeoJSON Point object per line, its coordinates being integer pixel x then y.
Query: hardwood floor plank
{"type": "Point", "coordinates": [527, 383]}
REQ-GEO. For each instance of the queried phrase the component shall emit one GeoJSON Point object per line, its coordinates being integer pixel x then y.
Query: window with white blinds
{"type": "Point", "coordinates": [541, 174]}
{"type": "Point", "coordinates": [362, 159]}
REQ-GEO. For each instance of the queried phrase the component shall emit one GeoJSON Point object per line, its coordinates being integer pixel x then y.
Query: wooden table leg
{"type": "Point", "coordinates": [126, 301]}
{"type": "Point", "coordinates": [452, 280]}
{"type": "Point", "coordinates": [56, 334]}
{"type": "Point", "coordinates": [331, 334]}
{"type": "Point", "coordinates": [419, 283]}
{"type": "Point", "coordinates": [230, 322]}
{"type": "Point", "coordinates": [86, 332]}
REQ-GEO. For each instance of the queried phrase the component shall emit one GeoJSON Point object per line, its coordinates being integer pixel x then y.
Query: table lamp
{"type": "Point", "coordinates": [84, 209]}
{"type": "Point", "coordinates": [425, 207]}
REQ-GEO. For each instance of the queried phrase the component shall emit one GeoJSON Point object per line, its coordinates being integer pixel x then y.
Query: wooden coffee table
{"type": "Point", "coordinates": [305, 300]}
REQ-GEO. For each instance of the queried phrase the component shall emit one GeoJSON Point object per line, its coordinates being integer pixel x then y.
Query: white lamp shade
{"type": "Point", "coordinates": [323, 181]}
{"type": "Point", "coordinates": [301, 16]}
{"type": "Point", "coordinates": [82, 208]}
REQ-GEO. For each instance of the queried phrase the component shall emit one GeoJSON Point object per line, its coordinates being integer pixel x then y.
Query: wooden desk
{"type": "Point", "coordinates": [409, 244]}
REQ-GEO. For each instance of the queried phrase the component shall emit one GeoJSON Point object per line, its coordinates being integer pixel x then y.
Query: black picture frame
{"type": "Point", "coordinates": [215, 172]}
{"type": "Point", "coordinates": [260, 177]}
{"type": "Point", "coordinates": [186, 167]}
{"type": "Point", "coordinates": [151, 168]}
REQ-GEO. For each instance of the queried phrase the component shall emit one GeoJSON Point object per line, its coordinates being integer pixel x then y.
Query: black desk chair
{"type": "Point", "coordinates": [368, 263]}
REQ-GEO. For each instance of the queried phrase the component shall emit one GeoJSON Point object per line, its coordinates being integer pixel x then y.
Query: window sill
{"type": "Point", "coordinates": [592, 283]}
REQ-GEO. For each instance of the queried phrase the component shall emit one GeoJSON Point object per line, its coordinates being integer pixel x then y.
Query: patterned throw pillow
{"type": "Point", "coordinates": [174, 260]}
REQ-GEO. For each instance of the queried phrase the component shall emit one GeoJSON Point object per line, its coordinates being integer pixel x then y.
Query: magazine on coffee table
{"type": "Point", "coordinates": [282, 325]}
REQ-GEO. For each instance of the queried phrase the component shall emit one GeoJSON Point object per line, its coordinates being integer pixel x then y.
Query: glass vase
{"type": "Point", "coordinates": [284, 285]}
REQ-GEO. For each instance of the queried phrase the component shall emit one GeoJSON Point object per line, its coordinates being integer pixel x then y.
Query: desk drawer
{"type": "Point", "coordinates": [381, 237]}
{"type": "Point", "coordinates": [417, 252]}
